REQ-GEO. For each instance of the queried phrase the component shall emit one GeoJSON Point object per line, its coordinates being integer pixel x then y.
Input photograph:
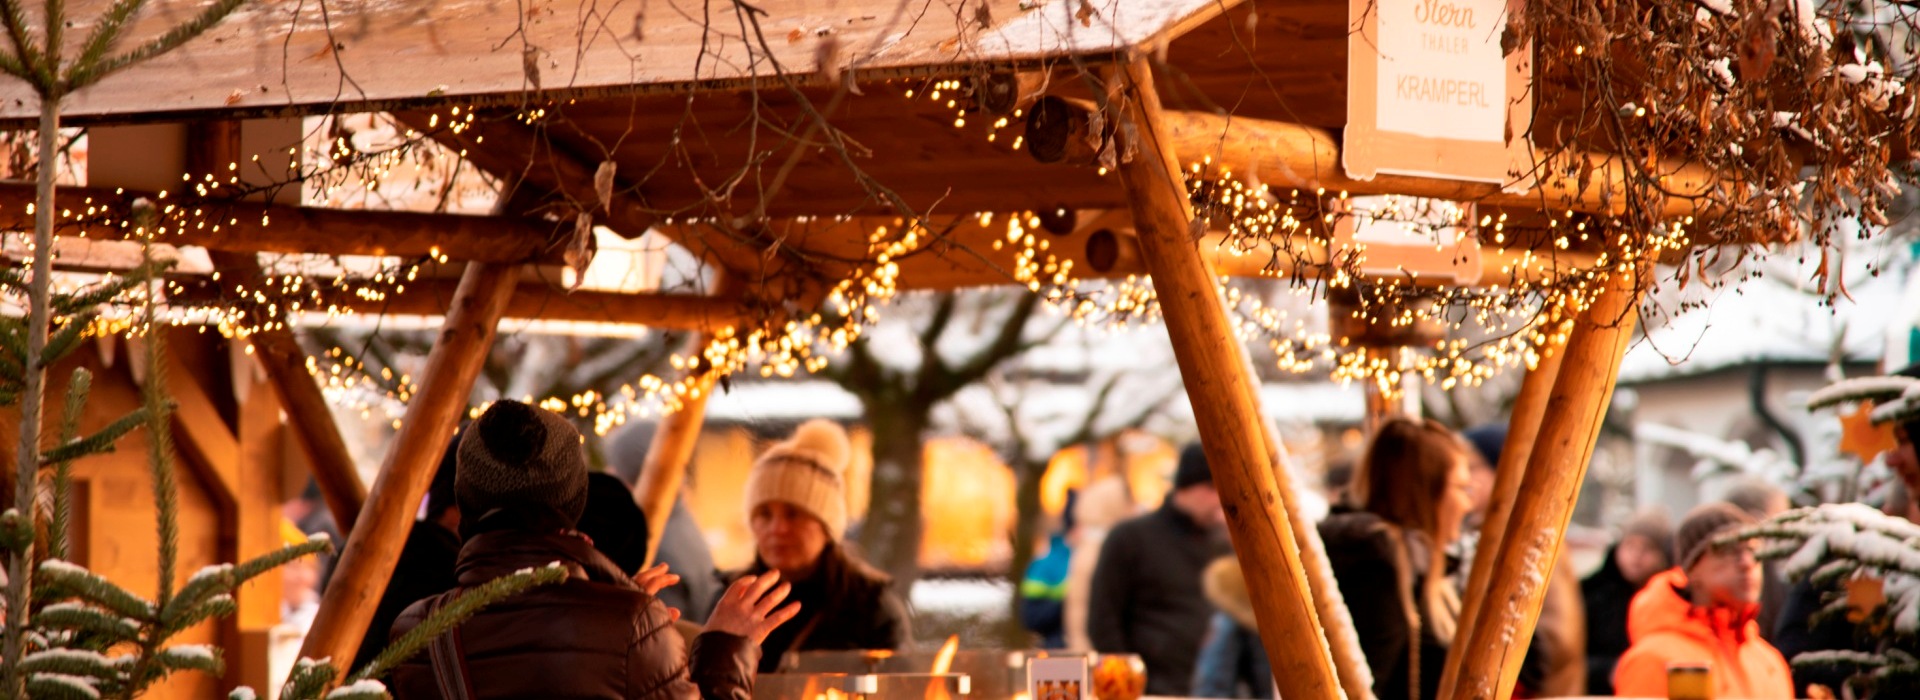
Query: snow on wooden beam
{"type": "Point", "coordinates": [1282, 155]}
{"type": "Point", "coordinates": [283, 57]}
{"type": "Point", "coordinates": [263, 228]}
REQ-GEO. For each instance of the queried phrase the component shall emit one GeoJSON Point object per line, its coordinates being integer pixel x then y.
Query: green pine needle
{"type": "Point", "coordinates": [308, 680]}
{"type": "Point", "coordinates": [78, 617]}
{"type": "Point", "coordinates": [69, 662]}
{"type": "Point", "coordinates": [77, 390]}
{"type": "Point", "coordinates": [59, 578]}
{"type": "Point", "coordinates": [71, 331]}
{"type": "Point", "coordinates": [248, 570]}
{"type": "Point", "coordinates": [100, 442]}
{"type": "Point", "coordinates": [457, 611]}
{"type": "Point", "coordinates": [191, 657]}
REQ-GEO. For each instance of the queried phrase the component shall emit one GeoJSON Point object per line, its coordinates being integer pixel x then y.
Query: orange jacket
{"type": "Point", "coordinates": [1666, 628]}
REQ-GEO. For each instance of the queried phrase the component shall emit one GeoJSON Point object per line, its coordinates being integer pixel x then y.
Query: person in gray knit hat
{"type": "Point", "coordinates": [1702, 612]}
{"type": "Point", "coordinates": [522, 485]}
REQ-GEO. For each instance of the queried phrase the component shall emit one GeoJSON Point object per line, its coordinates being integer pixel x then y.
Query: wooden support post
{"type": "Point", "coordinates": [1575, 407]}
{"type": "Point", "coordinates": [1349, 660]}
{"type": "Point", "coordinates": [1523, 428]}
{"type": "Point", "coordinates": [665, 468]}
{"type": "Point", "coordinates": [1222, 396]}
{"type": "Point", "coordinates": [366, 563]}
{"type": "Point", "coordinates": [667, 456]}
{"type": "Point", "coordinates": [285, 362]}
{"type": "Point", "coordinates": [259, 520]}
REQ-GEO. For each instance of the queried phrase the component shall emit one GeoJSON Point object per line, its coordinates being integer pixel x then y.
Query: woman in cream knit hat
{"type": "Point", "coordinates": [797, 509]}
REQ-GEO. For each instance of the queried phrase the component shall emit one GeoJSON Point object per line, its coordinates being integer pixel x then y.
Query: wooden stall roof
{"type": "Point", "coordinates": [696, 118]}
{"type": "Point", "coordinates": [280, 57]}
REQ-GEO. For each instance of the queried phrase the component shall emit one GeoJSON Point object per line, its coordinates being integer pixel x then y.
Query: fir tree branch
{"type": "Point", "coordinates": [190, 657]}
{"type": "Point", "coordinates": [67, 338]}
{"type": "Point", "coordinates": [105, 292]}
{"type": "Point", "coordinates": [82, 75]}
{"type": "Point", "coordinates": [308, 679]}
{"type": "Point", "coordinates": [157, 411]}
{"type": "Point", "coordinates": [455, 612]}
{"type": "Point", "coordinates": [77, 390]}
{"type": "Point", "coordinates": [99, 442]}
{"type": "Point", "coordinates": [80, 617]}
{"type": "Point", "coordinates": [54, 686]}
{"type": "Point", "coordinates": [69, 662]}
{"type": "Point", "coordinates": [106, 31]}
{"type": "Point", "coordinates": [62, 578]}
{"type": "Point", "coordinates": [248, 570]}
{"type": "Point", "coordinates": [14, 16]}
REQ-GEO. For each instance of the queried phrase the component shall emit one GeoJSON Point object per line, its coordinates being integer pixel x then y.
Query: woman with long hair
{"type": "Point", "coordinates": [1388, 547]}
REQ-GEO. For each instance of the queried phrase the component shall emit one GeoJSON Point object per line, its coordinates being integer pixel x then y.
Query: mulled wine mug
{"type": "Point", "coordinates": [1690, 681]}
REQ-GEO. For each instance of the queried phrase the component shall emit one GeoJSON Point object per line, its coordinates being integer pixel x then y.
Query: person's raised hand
{"type": "Point", "coordinates": [655, 579]}
{"type": "Point", "coordinates": [752, 608]}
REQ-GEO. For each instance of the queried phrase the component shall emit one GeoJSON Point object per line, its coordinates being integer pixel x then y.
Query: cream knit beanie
{"type": "Point", "coordinates": [809, 471]}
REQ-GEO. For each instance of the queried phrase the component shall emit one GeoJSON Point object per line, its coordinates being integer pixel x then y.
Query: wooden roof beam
{"type": "Point", "coordinates": [519, 153]}
{"type": "Point", "coordinates": [1297, 156]}
{"type": "Point", "coordinates": [239, 226]}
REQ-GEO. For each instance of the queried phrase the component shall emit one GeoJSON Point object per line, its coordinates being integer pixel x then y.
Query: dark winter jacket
{"type": "Point", "coordinates": [1146, 597]}
{"type": "Point", "coordinates": [844, 605]}
{"type": "Point", "coordinates": [596, 635]}
{"type": "Point", "coordinates": [1608, 595]}
{"type": "Point", "coordinates": [425, 569]}
{"type": "Point", "coordinates": [1363, 552]}
{"type": "Point", "coordinates": [1799, 629]}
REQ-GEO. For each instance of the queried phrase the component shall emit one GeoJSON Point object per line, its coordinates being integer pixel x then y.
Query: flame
{"type": "Point", "coordinates": [942, 663]}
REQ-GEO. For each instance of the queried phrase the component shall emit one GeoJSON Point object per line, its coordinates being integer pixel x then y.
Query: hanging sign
{"type": "Point", "coordinates": [1432, 92]}
{"type": "Point", "coordinates": [1409, 237]}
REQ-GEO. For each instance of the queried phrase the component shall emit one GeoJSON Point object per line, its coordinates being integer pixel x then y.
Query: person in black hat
{"type": "Point", "coordinates": [522, 488]}
{"type": "Point", "coordinates": [1146, 596]}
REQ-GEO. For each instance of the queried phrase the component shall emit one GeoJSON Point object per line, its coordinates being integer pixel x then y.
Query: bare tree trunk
{"type": "Point", "coordinates": [1026, 531]}
{"type": "Point", "coordinates": [892, 532]}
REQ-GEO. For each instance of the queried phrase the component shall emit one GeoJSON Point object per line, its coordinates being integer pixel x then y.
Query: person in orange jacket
{"type": "Point", "coordinates": [1702, 612]}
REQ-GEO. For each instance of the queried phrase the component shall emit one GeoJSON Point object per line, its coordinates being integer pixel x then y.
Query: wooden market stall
{"type": "Point", "coordinates": [788, 143]}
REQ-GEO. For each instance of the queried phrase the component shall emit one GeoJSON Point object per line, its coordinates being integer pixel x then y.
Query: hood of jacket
{"type": "Point", "coordinates": [1663, 606]}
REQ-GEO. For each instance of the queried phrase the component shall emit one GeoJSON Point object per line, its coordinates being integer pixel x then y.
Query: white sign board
{"type": "Point", "coordinates": [1402, 237]}
{"type": "Point", "coordinates": [1432, 92]}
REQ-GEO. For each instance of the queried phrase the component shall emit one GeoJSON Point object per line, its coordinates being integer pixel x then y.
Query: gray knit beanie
{"type": "Point", "coordinates": [1702, 525]}
{"type": "Point", "coordinates": [520, 457]}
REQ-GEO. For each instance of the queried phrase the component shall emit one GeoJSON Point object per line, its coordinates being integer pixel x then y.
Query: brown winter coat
{"type": "Point", "coordinates": [596, 635]}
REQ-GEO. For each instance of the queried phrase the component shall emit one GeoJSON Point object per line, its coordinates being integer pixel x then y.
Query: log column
{"type": "Point", "coordinates": [367, 561]}
{"type": "Point", "coordinates": [665, 468]}
{"type": "Point", "coordinates": [285, 363]}
{"type": "Point", "coordinates": [1222, 394]}
{"type": "Point", "coordinates": [1523, 429]}
{"type": "Point", "coordinates": [1575, 407]}
{"type": "Point", "coordinates": [1349, 660]}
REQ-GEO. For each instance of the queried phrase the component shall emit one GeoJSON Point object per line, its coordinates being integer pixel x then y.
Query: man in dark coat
{"type": "Point", "coordinates": [1146, 596]}
{"type": "Point", "coordinates": [426, 561]}
{"type": "Point", "coordinates": [522, 486]}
